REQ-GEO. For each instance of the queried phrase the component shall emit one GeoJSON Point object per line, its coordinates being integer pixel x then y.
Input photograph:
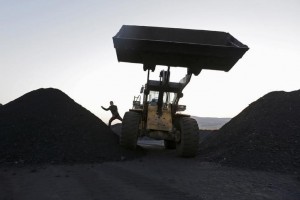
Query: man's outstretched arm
{"type": "Point", "coordinates": [104, 108]}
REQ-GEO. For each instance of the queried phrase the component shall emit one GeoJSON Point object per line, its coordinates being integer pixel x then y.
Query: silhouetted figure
{"type": "Point", "coordinates": [114, 111]}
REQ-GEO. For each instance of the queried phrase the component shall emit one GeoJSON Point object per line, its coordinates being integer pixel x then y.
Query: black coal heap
{"type": "Point", "coordinates": [265, 135]}
{"type": "Point", "coordinates": [47, 126]}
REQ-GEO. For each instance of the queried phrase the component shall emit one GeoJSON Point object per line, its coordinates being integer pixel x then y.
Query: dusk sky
{"type": "Point", "coordinates": [68, 45]}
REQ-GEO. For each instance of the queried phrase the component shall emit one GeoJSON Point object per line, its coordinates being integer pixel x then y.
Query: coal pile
{"type": "Point", "coordinates": [206, 134]}
{"type": "Point", "coordinates": [264, 136]}
{"type": "Point", "coordinates": [117, 129]}
{"type": "Point", "coordinates": [47, 126]}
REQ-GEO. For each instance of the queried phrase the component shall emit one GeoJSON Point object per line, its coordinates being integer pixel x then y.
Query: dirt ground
{"type": "Point", "coordinates": [158, 175]}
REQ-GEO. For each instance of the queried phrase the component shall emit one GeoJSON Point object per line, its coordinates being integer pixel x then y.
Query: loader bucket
{"type": "Point", "coordinates": [194, 49]}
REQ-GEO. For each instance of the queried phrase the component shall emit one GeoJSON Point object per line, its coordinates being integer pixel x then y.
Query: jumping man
{"type": "Point", "coordinates": [114, 111]}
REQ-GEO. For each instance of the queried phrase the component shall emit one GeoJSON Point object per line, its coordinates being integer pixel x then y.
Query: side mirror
{"type": "Point", "coordinates": [142, 90]}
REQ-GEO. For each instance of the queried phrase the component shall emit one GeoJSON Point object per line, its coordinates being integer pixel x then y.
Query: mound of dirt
{"type": "Point", "coordinates": [47, 126]}
{"type": "Point", "coordinates": [116, 128]}
{"type": "Point", "coordinates": [265, 135]}
{"type": "Point", "coordinates": [206, 134]}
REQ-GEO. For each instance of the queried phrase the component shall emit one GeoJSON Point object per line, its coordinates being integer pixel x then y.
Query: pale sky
{"type": "Point", "coordinates": [67, 44]}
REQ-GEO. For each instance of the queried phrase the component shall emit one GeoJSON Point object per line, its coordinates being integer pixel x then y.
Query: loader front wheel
{"type": "Point", "coordinates": [189, 137]}
{"type": "Point", "coordinates": [130, 130]}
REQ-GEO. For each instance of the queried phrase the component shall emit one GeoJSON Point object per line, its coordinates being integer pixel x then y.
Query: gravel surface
{"type": "Point", "coordinates": [160, 175]}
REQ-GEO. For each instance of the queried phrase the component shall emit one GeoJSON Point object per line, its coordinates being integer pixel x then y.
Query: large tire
{"type": "Point", "coordinates": [130, 130]}
{"type": "Point", "coordinates": [170, 144]}
{"type": "Point", "coordinates": [189, 137]}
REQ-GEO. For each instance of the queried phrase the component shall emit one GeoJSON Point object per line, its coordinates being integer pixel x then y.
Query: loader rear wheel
{"type": "Point", "coordinates": [170, 144]}
{"type": "Point", "coordinates": [189, 137]}
{"type": "Point", "coordinates": [130, 130]}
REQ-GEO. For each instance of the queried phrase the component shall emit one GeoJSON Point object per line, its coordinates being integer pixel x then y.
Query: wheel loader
{"type": "Point", "coordinates": [157, 114]}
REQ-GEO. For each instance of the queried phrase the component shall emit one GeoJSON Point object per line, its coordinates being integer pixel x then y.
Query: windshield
{"type": "Point", "coordinates": [167, 98]}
